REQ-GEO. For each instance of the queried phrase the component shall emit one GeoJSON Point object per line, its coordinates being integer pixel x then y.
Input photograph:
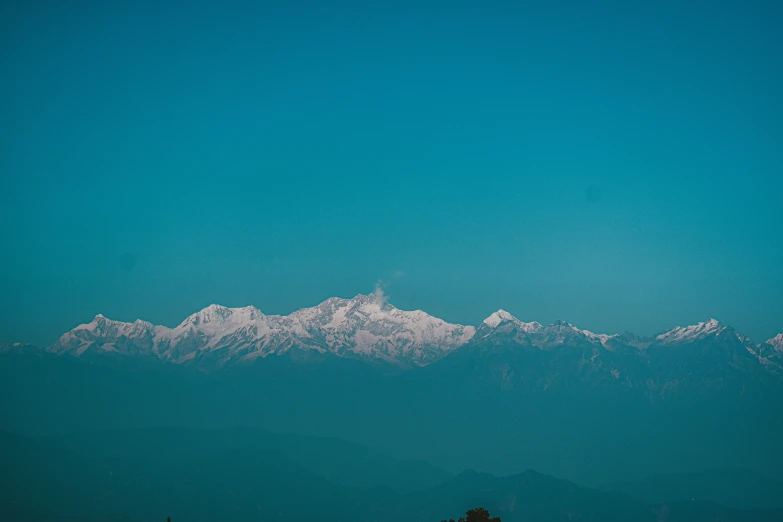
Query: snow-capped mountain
{"type": "Point", "coordinates": [771, 353]}
{"type": "Point", "coordinates": [531, 357]}
{"type": "Point", "coordinates": [367, 328]}
{"type": "Point", "coordinates": [501, 316]}
{"type": "Point", "coordinates": [691, 333]}
{"type": "Point", "coordinates": [363, 327]}
{"type": "Point", "coordinates": [685, 361]}
{"type": "Point", "coordinates": [776, 343]}
{"type": "Point", "coordinates": [557, 334]}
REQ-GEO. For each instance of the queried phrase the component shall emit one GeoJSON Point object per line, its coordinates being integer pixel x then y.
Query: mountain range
{"type": "Point", "coordinates": [363, 327]}
{"type": "Point", "coordinates": [367, 328]}
{"type": "Point", "coordinates": [500, 397]}
{"type": "Point", "coordinates": [247, 475]}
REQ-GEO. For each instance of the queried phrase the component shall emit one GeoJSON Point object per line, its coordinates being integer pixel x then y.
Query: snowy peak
{"type": "Point", "coordinates": [712, 324]}
{"type": "Point", "coordinates": [336, 312]}
{"type": "Point", "coordinates": [556, 334]}
{"type": "Point", "coordinates": [498, 317]}
{"type": "Point", "coordinates": [776, 342]}
{"type": "Point", "coordinates": [566, 327]}
{"type": "Point", "coordinates": [110, 336]}
{"type": "Point", "coordinates": [564, 333]}
{"type": "Point", "coordinates": [365, 327]}
{"type": "Point", "coordinates": [231, 332]}
{"type": "Point", "coordinates": [215, 315]}
{"type": "Point", "coordinates": [370, 327]}
{"type": "Point", "coordinates": [691, 333]}
{"type": "Point", "coordinates": [501, 316]}
{"type": "Point", "coordinates": [102, 326]}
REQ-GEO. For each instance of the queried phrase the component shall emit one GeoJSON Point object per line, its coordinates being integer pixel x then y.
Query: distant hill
{"type": "Point", "coordinates": [735, 487]}
{"type": "Point", "coordinates": [140, 476]}
{"type": "Point", "coordinates": [495, 405]}
{"type": "Point", "coordinates": [343, 463]}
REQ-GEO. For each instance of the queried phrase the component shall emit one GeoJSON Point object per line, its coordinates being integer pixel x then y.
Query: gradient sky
{"type": "Point", "coordinates": [615, 164]}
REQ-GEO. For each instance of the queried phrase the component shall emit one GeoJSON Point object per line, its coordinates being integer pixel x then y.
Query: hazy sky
{"type": "Point", "coordinates": [615, 164]}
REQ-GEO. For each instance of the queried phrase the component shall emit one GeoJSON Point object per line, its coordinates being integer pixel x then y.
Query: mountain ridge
{"type": "Point", "coordinates": [364, 327]}
{"type": "Point", "coordinates": [127, 479]}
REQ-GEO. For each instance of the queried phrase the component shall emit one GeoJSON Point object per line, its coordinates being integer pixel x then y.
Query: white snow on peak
{"type": "Point", "coordinates": [101, 323]}
{"type": "Point", "coordinates": [562, 332]}
{"type": "Point", "coordinates": [91, 325]}
{"type": "Point", "coordinates": [364, 326]}
{"type": "Point", "coordinates": [498, 317]}
{"type": "Point", "coordinates": [369, 326]}
{"type": "Point", "coordinates": [502, 316]}
{"type": "Point", "coordinates": [776, 342]}
{"type": "Point", "coordinates": [691, 333]}
{"type": "Point", "coordinates": [213, 314]}
{"type": "Point", "coordinates": [602, 338]}
{"type": "Point", "coordinates": [556, 334]}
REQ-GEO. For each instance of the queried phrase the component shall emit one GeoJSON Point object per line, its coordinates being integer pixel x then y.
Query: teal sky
{"type": "Point", "coordinates": [615, 164]}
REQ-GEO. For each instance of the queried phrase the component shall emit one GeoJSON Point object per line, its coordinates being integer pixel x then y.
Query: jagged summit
{"type": "Point", "coordinates": [365, 326]}
{"type": "Point", "coordinates": [211, 314]}
{"type": "Point", "coordinates": [498, 317]}
{"type": "Point", "coordinates": [690, 333]}
{"type": "Point", "coordinates": [216, 315]}
{"type": "Point", "coordinates": [562, 332]}
{"type": "Point", "coordinates": [502, 316]}
{"type": "Point", "coordinates": [559, 333]}
{"type": "Point", "coordinates": [776, 342]}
